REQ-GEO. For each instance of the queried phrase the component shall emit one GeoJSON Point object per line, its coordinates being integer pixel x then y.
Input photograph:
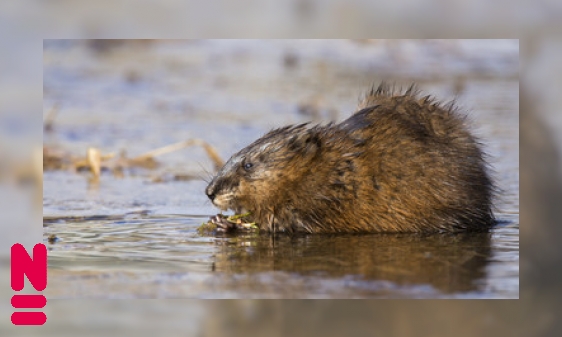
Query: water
{"type": "Point", "coordinates": [135, 237]}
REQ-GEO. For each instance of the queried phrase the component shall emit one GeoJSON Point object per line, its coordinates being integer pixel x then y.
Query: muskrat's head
{"type": "Point", "coordinates": [255, 177]}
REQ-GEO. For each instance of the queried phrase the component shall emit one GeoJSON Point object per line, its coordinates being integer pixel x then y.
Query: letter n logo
{"type": "Point", "coordinates": [36, 271]}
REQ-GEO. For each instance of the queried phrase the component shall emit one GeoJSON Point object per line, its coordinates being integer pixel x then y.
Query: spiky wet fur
{"type": "Point", "coordinates": [401, 163]}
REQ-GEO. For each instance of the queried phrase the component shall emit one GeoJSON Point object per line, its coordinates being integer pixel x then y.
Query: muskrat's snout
{"type": "Point", "coordinates": [211, 190]}
{"type": "Point", "coordinates": [210, 193]}
{"type": "Point", "coordinates": [220, 193]}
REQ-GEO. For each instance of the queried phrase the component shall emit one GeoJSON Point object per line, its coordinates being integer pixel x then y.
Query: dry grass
{"type": "Point", "coordinates": [95, 161]}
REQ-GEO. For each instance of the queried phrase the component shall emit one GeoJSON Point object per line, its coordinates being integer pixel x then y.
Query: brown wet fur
{"type": "Point", "coordinates": [401, 163]}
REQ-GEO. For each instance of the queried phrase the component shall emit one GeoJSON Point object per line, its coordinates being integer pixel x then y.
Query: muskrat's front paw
{"type": "Point", "coordinates": [222, 223]}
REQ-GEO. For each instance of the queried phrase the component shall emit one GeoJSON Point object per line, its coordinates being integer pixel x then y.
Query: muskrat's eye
{"type": "Point", "coordinates": [248, 166]}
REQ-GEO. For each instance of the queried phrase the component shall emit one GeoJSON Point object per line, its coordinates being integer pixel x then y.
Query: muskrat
{"type": "Point", "coordinates": [400, 163]}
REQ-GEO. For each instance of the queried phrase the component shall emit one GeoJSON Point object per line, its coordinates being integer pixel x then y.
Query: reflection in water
{"type": "Point", "coordinates": [148, 256]}
{"type": "Point", "coordinates": [450, 263]}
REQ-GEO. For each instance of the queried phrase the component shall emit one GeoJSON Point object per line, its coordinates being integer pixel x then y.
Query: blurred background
{"type": "Point", "coordinates": [24, 24]}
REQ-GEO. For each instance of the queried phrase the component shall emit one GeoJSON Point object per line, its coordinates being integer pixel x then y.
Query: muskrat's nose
{"type": "Point", "coordinates": [209, 191]}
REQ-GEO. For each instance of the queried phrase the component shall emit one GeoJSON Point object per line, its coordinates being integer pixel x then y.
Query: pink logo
{"type": "Point", "coordinates": [36, 271]}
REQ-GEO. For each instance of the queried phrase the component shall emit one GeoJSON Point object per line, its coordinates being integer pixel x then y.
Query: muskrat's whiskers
{"type": "Point", "coordinates": [209, 175]}
{"type": "Point", "coordinates": [203, 175]}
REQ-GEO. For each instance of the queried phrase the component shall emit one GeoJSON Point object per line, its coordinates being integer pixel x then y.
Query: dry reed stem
{"type": "Point", "coordinates": [94, 160]}
{"type": "Point", "coordinates": [210, 150]}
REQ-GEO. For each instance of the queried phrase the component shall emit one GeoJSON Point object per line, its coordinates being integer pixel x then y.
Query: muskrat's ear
{"type": "Point", "coordinates": [308, 142]}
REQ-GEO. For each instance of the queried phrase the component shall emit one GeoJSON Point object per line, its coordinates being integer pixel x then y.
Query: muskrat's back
{"type": "Point", "coordinates": [402, 163]}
